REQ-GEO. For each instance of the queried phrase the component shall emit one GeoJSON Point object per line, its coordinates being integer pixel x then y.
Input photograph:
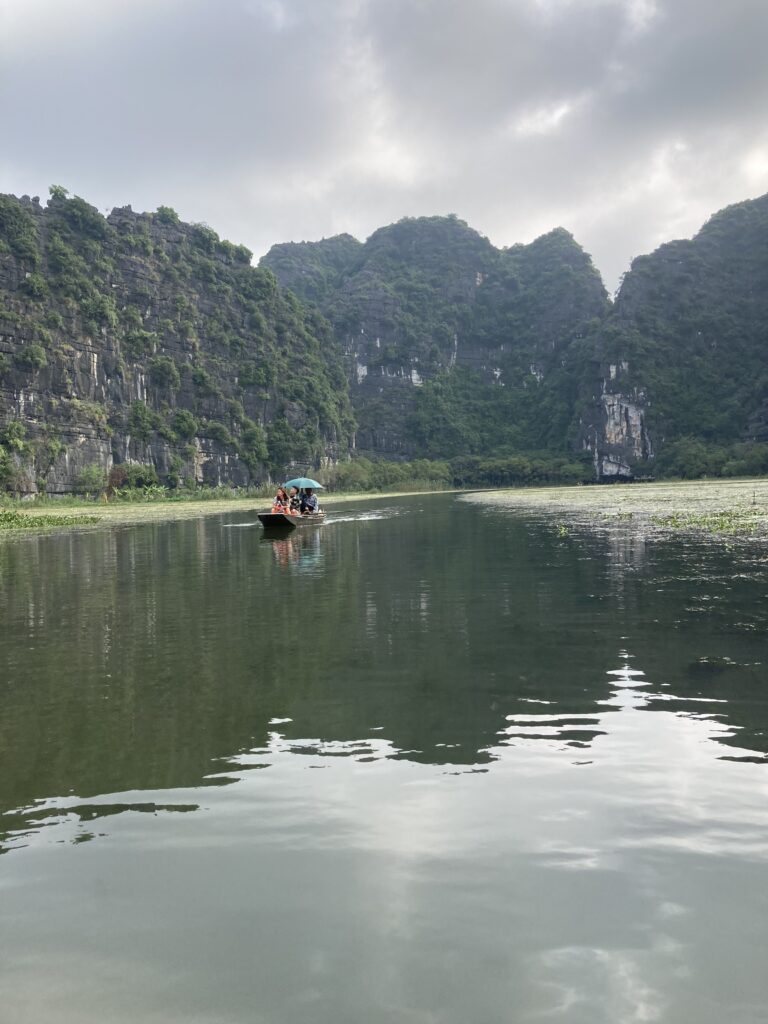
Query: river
{"type": "Point", "coordinates": [432, 761]}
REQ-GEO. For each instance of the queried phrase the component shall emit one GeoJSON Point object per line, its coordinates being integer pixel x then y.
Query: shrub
{"type": "Point", "coordinates": [167, 215]}
{"type": "Point", "coordinates": [352, 476]}
{"type": "Point", "coordinates": [164, 373]}
{"type": "Point", "coordinates": [18, 230]}
{"type": "Point", "coordinates": [204, 383]}
{"type": "Point", "coordinates": [13, 436]}
{"type": "Point", "coordinates": [204, 238]}
{"type": "Point", "coordinates": [31, 357]}
{"type": "Point", "coordinates": [78, 410]}
{"type": "Point", "coordinates": [250, 375]}
{"type": "Point", "coordinates": [242, 255]}
{"type": "Point", "coordinates": [174, 474]}
{"type": "Point", "coordinates": [253, 446]}
{"type": "Point", "coordinates": [166, 329]}
{"type": "Point", "coordinates": [140, 475]}
{"type": "Point", "coordinates": [139, 343]}
{"type": "Point", "coordinates": [132, 475]}
{"type": "Point", "coordinates": [91, 480]}
{"type": "Point", "coordinates": [84, 218]}
{"type": "Point", "coordinates": [12, 476]}
{"type": "Point", "coordinates": [184, 425]}
{"type": "Point", "coordinates": [49, 451]}
{"type": "Point", "coordinates": [99, 309]}
{"type": "Point", "coordinates": [131, 318]}
{"type": "Point", "coordinates": [217, 432]}
{"type": "Point", "coordinates": [688, 458]}
{"type": "Point", "coordinates": [35, 287]}
{"type": "Point", "coordinates": [142, 421]}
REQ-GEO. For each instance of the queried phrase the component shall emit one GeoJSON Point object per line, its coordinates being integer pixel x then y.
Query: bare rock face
{"type": "Point", "coordinates": [616, 434]}
{"type": "Point", "coordinates": [139, 339]}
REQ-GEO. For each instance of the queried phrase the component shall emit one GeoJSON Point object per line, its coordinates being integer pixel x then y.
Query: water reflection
{"type": "Point", "coordinates": [65, 820]}
{"type": "Point", "coordinates": [300, 550]}
{"type": "Point", "coordinates": [617, 731]}
{"type": "Point", "coordinates": [409, 767]}
{"type": "Point", "coordinates": [585, 884]}
{"type": "Point", "coordinates": [134, 658]}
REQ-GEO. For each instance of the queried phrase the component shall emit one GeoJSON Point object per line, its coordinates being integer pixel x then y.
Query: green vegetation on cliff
{"type": "Point", "coordinates": [138, 338]}
{"type": "Point", "coordinates": [695, 321]}
{"type": "Point", "coordinates": [686, 344]}
{"type": "Point", "coordinates": [526, 328]}
{"type": "Point", "coordinates": [454, 347]}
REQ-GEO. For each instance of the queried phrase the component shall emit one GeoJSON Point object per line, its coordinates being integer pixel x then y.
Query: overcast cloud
{"type": "Point", "coordinates": [626, 121]}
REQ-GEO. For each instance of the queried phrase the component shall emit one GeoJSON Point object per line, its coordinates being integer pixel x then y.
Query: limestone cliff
{"type": "Point", "coordinates": [615, 433]}
{"type": "Point", "coordinates": [453, 347]}
{"type": "Point", "coordinates": [139, 339]}
{"type": "Point", "coordinates": [398, 305]}
{"type": "Point", "coordinates": [429, 296]}
{"type": "Point", "coordinates": [683, 353]}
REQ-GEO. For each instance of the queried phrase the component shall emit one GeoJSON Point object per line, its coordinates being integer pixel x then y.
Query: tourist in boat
{"type": "Point", "coordinates": [294, 501]}
{"type": "Point", "coordinates": [309, 503]}
{"type": "Point", "coordinates": [281, 502]}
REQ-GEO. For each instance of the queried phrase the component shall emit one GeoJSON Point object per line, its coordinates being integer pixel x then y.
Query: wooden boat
{"type": "Point", "coordinates": [283, 521]}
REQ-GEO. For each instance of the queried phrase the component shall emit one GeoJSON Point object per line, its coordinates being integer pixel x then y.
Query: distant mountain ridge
{"type": "Point", "coordinates": [138, 340]}
{"type": "Point", "coordinates": [426, 310]}
{"type": "Point", "coordinates": [426, 297]}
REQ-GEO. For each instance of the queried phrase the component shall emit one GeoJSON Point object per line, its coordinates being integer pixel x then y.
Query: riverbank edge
{"type": "Point", "coordinates": [727, 507]}
{"type": "Point", "coordinates": [89, 515]}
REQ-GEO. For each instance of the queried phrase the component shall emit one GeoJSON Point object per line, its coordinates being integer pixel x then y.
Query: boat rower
{"type": "Point", "coordinates": [309, 503]}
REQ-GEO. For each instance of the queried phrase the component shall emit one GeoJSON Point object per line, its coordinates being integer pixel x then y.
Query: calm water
{"type": "Point", "coordinates": [406, 767]}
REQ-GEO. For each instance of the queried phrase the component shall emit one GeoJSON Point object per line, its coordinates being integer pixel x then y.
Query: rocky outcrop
{"type": "Point", "coordinates": [428, 295]}
{"type": "Point", "coordinates": [398, 304]}
{"type": "Point", "coordinates": [616, 433]}
{"type": "Point", "coordinates": [682, 353]}
{"type": "Point", "coordinates": [139, 339]}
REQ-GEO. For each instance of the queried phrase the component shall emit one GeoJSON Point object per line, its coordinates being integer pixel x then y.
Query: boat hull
{"type": "Point", "coordinates": [282, 521]}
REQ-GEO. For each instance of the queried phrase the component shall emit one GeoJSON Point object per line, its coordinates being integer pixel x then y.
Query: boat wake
{"type": "Point", "coordinates": [362, 517]}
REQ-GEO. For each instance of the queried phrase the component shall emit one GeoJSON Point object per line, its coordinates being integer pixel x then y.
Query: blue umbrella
{"type": "Point", "coordinates": [303, 482]}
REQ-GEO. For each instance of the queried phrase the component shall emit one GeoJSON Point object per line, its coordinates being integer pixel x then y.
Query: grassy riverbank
{"type": "Point", "coordinates": [84, 514]}
{"type": "Point", "coordinates": [89, 514]}
{"type": "Point", "coordinates": [717, 507]}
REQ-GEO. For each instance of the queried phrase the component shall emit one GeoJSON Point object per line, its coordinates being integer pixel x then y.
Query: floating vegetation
{"type": "Point", "coordinates": [738, 520]}
{"type": "Point", "coordinates": [12, 520]}
{"type": "Point", "coordinates": [731, 511]}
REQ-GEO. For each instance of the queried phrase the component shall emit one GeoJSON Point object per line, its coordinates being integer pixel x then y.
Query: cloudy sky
{"type": "Point", "coordinates": [626, 121]}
